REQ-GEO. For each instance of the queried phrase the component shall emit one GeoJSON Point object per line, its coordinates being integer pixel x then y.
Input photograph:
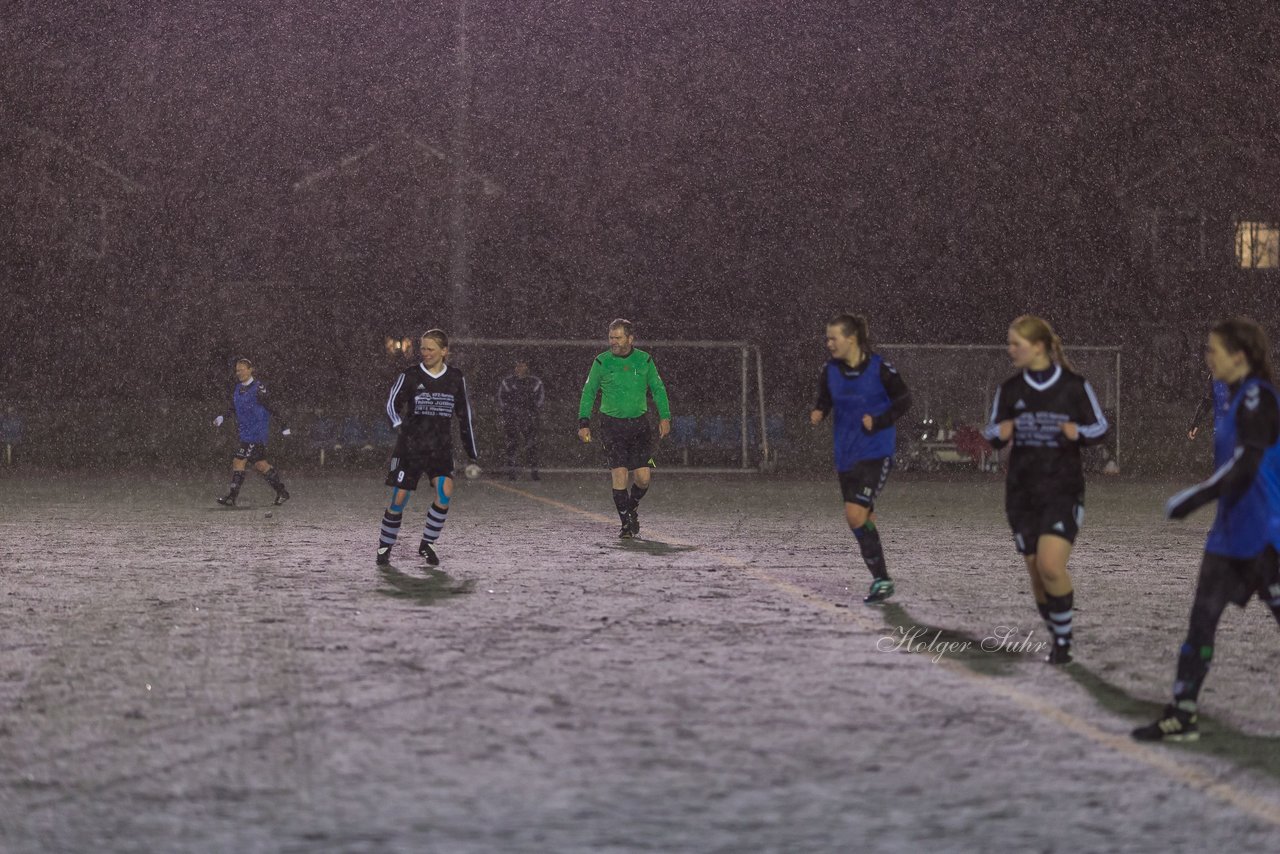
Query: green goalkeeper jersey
{"type": "Point", "coordinates": [624, 383]}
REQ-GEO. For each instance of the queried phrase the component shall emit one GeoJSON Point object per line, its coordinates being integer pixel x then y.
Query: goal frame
{"type": "Point", "coordinates": [745, 348]}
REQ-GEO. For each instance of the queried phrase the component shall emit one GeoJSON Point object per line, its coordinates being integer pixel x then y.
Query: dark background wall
{"type": "Point", "coordinates": [278, 179]}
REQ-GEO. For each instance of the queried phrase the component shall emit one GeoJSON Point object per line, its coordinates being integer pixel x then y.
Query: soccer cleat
{"type": "Point", "coordinates": [1059, 653]}
{"type": "Point", "coordinates": [881, 589]}
{"type": "Point", "coordinates": [227, 500]}
{"type": "Point", "coordinates": [428, 554]}
{"type": "Point", "coordinates": [282, 495]}
{"type": "Point", "coordinates": [1174, 724]}
{"type": "Point", "coordinates": [384, 555]}
{"type": "Point", "coordinates": [625, 533]}
{"type": "Point", "coordinates": [633, 522]}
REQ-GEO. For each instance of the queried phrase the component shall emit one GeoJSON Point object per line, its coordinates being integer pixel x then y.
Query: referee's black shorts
{"type": "Point", "coordinates": [628, 442]}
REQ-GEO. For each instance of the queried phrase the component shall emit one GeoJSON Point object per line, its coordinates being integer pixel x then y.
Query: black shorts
{"type": "Point", "coordinates": [253, 452]}
{"type": "Point", "coordinates": [1240, 578]}
{"type": "Point", "coordinates": [628, 442]}
{"type": "Point", "coordinates": [1034, 516]}
{"type": "Point", "coordinates": [863, 483]}
{"type": "Point", "coordinates": [406, 472]}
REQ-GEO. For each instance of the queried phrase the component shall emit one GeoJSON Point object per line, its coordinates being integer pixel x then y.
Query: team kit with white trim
{"type": "Point", "coordinates": [1046, 413]}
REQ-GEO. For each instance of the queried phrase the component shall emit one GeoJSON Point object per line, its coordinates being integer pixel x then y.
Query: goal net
{"type": "Point", "coordinates": [716, 390]}
{"type": "Point", "coordinates": [952, 387]}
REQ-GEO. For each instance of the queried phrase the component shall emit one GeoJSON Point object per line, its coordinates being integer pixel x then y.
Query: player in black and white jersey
{"type": "Point", "coordinates": [1048, 412]}
{"type": "Point", "coordinates": [423, 402]}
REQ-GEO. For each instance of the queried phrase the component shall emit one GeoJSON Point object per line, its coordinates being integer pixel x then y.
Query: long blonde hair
{"type": "Point", "coordinates": [1036, 329]}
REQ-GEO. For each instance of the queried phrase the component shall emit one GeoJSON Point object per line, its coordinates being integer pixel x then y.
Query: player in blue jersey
{"type": "Point", "coordinates": [864, 396]}
{"type": "Point", "coordinates": [1240, 553]}
{"type": "Point", "coordinates": [253, 410]}
{"type": "Point", "coordinates": [1048, 412]}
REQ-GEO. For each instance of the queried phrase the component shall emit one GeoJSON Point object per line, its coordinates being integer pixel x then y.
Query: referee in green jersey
{"type": "Point", "coordinates": [624, 377]}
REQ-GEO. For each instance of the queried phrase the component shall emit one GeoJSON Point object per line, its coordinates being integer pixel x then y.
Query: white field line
{"type": "Point", "coordinates": [1153, 757]}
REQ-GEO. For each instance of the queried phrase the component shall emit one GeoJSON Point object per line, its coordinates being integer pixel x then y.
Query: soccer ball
{"type": "Point", "coordinates": [472, 471]}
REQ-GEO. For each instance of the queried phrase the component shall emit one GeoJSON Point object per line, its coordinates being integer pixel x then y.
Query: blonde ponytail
{"type": "Point", "coordinates": [1058, 355]}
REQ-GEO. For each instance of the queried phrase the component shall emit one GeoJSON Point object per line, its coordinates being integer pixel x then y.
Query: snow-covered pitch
{"type": "Point", "coordinates": [180, 677]}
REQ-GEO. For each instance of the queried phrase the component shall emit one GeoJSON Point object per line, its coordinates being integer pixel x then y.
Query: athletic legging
{"type": "Point", "coordinates": [1223, 580]}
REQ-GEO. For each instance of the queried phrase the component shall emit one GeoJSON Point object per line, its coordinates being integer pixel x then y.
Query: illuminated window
{"type": "Point", "coordinates": [1257, 245]}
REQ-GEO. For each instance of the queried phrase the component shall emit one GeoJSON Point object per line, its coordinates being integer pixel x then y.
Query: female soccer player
{"type": "Point", "coordinates": [1048, 412]}
{"type": "Point", "coordinates": [423, 403]}
{"type": "Point", "coordinates": [867, 396]}
{"type": "Point", "coordinates": [1240, 553]}
{"type": "Point", "coordinates": [253, 410]}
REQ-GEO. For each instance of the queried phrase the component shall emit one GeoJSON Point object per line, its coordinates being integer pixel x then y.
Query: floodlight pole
{"type": "Point", "coordinates": [460, 250]}
{"type": "Point", "coordinates": [746, 362]}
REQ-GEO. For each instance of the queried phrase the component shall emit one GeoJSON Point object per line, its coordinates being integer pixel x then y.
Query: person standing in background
{"type": "Point", "coordinates": [520, 398]}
